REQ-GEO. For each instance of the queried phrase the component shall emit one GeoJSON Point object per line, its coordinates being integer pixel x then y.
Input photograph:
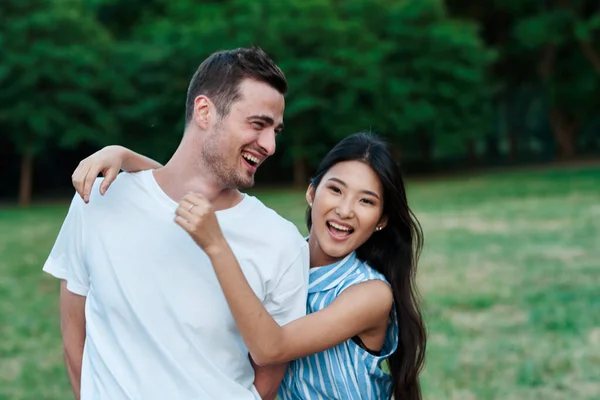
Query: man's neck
{"type": "Point", "coordinates": [180, 177]}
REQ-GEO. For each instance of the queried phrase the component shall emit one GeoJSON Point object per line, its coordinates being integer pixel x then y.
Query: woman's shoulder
{"type": "Point", "coordinates": [362, 273]}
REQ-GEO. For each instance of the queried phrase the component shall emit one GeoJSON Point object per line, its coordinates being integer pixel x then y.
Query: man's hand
{"type": "Point", "coordinates": [267, 379]}
{"type": "Point", "coordinates": [72, 324]}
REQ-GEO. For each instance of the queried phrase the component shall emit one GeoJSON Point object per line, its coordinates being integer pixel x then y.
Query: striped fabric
{"type": "Point", "coordinates": [345, 371]}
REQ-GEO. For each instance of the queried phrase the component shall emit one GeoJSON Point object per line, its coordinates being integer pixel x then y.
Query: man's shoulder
{"type": "Point", "coordinates": [124, 184]}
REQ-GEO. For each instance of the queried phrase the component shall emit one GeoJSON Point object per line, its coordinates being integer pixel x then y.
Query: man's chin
{"type": "Point", "coordinates": [244, 183]}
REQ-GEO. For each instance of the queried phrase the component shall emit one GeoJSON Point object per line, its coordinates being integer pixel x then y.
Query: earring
{"type": "Point", "coordinates": [310, 204]}
{"type": "Point", "coordinates": [378, 228]}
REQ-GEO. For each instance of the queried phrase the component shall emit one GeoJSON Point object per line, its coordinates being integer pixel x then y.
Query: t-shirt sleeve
{"type": "Point", "coordinates": [287, 302]}
{"type": "Point", "coordinates": [65, 260]}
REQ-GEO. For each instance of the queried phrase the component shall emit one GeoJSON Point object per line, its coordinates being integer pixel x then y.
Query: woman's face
{"type": "Point", "coordinates": [347, 208]}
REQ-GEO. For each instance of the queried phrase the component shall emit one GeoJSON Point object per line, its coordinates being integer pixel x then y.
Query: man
{"type": "Point", "coordinates": [142, 314]}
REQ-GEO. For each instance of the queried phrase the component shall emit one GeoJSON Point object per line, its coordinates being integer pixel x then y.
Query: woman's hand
{"type": "Point", "coordinates": [106, 161]}
{"type": "Point", "coordinates": [195, 214]}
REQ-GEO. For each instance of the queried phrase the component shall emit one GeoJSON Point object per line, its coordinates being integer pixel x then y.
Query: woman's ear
{"type": "Point", "coordinates": [382, 223]}
{"type": "Point", "coordinates": [310, 195]}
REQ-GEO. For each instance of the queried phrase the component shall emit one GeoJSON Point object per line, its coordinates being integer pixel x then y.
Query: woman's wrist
{"type": "Point", "coordinates": [217, 250]}
{"type": "Point", "coordinates": [123, 154]}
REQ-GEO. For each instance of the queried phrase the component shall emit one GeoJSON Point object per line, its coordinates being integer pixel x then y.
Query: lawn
{"type": "Point", "coordinates": [510, 277]}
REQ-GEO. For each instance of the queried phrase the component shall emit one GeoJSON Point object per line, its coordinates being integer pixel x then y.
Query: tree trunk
{"type": "Point", "coordinates": [564, 130]}
{"type": "Point", "coordinates": [26, 176]}
{"type": "Point", "coordinates": [591, 54]}
{"type": "Point", "coordinates": [396, 152]}
{"type": "Point", "coordinates": [300, 173]}
{"type": "Point", "coordinates": [563, 126]}
{"type": "Point", "coordinates": [426, 145]}
{"type": "Point", "coordinates": [547, 62]}
{"type": "Point", "coordinates": [471, 152]}
{"type": "Point", "coordinates": [491, 148]}
{"type": "Point", "coordinates": [513, 145]}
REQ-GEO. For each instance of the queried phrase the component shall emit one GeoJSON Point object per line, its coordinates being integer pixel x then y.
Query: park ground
{"type": "Point", "coordinates": [510, 280]}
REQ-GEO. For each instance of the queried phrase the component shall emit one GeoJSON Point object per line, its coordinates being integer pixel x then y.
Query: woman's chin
{"type": "Point", "coordinates": [337, 252]}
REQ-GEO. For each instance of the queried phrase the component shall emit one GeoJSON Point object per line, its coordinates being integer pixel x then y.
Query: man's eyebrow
{"type": "Point", "coordinates": [265, 118]}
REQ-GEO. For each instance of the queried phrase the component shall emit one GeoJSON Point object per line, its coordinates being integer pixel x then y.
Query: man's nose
{"type": "Point", "coordinates": [266, 141]}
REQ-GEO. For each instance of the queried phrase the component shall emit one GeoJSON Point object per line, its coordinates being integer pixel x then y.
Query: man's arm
{"type": "Point", "coordinates": [72, 325]}
{"type": "Point", "coordinates": [268, 378]}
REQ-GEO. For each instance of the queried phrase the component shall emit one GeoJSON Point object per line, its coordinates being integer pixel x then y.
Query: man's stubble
{"type": "Point", "coordinates": [216, 159]}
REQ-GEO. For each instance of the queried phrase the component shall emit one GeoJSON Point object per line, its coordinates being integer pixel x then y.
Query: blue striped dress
{"type": "Point", "coordinates": [346, 371]}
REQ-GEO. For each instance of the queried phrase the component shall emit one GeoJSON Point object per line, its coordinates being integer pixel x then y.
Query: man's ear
{"type": "Point", "coordinates": [202, 111]}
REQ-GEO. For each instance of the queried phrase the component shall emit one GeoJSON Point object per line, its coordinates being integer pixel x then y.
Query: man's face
{"type": "Point", "coordinates": [244, 138]}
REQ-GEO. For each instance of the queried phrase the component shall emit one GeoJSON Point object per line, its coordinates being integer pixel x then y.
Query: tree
{"type": "Point", "coordinates": [432, 89]}
{"type": "Point", "coordinates": [52, 61]}
{"type": "Point", "coordinates": [160, 50]}
{"type": "Point", "coordinates": [552, 46]}
{"type": "Point", "coordinates": [568, 65]}
{"type": "Point", "coordinates": [402, 69]}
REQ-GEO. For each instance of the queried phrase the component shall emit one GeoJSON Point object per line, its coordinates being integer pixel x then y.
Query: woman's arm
{"type": "Point", "coordinates": [267, 379]}
{"type": "Point", "coordinates": [356, 310]}
{"type": "Point", "coordinates": [109, 161]}
{"type": "Point", "coordinates": [361, 308]}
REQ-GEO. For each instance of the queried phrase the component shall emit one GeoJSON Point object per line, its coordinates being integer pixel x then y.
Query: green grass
{"type": "Point", "coordinates": [510, 276]}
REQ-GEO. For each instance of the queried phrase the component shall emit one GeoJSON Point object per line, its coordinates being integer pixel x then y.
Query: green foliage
{"type": "Point", "coordinates": [553, 50]}
{"type": "Point", "coordinates": [105, 71]}
{"type": "Point", "coordinates": [398, 68]}
{"type": "Point", "coordinates": [352, 65]}
{"type": "Point", "coordinates": [55, 78]}
{"type": "Point", "coordinates": [435, 72]}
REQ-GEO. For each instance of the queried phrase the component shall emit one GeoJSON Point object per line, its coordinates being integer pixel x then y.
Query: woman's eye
{"type": "Point", "coordinates": [334, 189]}
{"type": "Point", "coordinates": [367, 201]}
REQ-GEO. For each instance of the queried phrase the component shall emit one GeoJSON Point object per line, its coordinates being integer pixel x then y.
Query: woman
{"type": "Point", "coordinates": [362, 306]}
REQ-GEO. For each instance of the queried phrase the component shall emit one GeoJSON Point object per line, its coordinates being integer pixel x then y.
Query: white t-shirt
{"type": "Point", "coordinates": [157, 322]}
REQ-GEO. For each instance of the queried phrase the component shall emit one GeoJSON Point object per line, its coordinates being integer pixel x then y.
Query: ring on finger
{"type": "Point", "coordinates": [190, 207]}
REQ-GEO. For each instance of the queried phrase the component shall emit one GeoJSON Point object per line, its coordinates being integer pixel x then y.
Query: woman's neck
{"type": "Point", "coordinates": [318, 258]}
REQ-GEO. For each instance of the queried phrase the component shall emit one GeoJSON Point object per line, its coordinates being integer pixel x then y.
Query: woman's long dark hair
{"type": "Point", "coordinates": [393, 251]}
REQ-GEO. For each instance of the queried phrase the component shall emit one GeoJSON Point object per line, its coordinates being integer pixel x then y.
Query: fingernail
{"type": "Point", "coordinates": [86, 198]}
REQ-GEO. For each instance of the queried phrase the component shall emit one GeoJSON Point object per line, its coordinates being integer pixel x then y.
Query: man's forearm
{"type": "Point", "coordinates": [73, 364]}
{"type": "Point", "coordinates": [72, 324]}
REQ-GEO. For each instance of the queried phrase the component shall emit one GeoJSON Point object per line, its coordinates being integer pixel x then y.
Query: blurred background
{"type": "Point", "coordinates": [492, 107]}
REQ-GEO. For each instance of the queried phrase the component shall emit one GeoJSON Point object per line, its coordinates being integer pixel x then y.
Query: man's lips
{"type": "Point", "coordinates": [252, 158]}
